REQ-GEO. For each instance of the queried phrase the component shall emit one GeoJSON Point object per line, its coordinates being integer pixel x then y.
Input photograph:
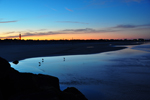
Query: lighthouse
{"type": "Point", "coordinates": [19, 36]}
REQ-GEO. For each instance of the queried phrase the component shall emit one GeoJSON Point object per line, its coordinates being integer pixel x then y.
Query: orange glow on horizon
{"type": "Point", "coordinates": [78, 36]}
{"type": "Point", "coordinates": [73, 36]}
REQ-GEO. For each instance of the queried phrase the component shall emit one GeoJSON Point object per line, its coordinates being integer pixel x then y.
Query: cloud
{"type": "Point", "coordinates": [71, 22]}
{"type": "Point", "coordinates": [39, 33]}
{"type": "Point", "coordinates": [8, 21]}
{"type": "Point", "coordinates": [90, 30]}
{"type": "Point", "coordinates": [66, 31]}
{"type": "Point", "coordinates": [69, 9]}
{"type": "Point", "coordinates": [9, 32]}
{"type": "Point", "coordinates": [30, 33]}
{"type": "Point", "coordinates": [42, 30]}
{"type": "Point", "coordinates": [132, 26]}
{"type": "Point", "coordinates": [80, 30]}
{"type": "Point", "coordinates": [125, 26]}
{"type": "Point", "coordinates": [118, 28]}
{"type": "Point", "coordinates": [109, 29]}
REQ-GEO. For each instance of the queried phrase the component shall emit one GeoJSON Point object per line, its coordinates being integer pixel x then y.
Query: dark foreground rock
{"type": "Point", "coordinates": [27, 86]}
{"type": "Point", "coordinates": [16, 62]}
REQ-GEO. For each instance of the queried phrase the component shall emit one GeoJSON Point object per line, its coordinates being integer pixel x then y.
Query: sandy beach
{"type": "Point", "coordinates": [12, 52]}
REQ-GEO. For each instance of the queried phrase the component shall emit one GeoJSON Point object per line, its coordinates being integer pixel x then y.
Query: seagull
{"type": "Point", "coordinates": [64, 58]}
{"type": "Point", "coordinates": [39, 63]}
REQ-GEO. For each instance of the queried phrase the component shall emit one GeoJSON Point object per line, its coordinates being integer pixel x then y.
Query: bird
{"type": "Point", "coordinates": [64, 58]}
{"type": "Point", "coordinates": [39, 63]}
{"type": "Point", "coordinates": [42, 60]}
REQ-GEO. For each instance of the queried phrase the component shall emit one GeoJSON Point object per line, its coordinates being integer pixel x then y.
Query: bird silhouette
{"type": "Point", "coordinates": [42, 60]}
{"type": "Point", "coordinates": [39, 63]}
{"type": "Point", "coordinates": [64, 58]}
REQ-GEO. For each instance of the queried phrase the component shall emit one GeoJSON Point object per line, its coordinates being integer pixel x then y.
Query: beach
{"type": "Point", "coordinates": [113, 75]}
{"type": "Point", "coordinates": [12, 52]}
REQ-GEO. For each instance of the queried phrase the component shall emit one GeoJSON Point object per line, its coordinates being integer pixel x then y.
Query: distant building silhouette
{"type": "Point", "coordinates": [141, 39]}
{"type": "Point", "coordinates": [19, 36]}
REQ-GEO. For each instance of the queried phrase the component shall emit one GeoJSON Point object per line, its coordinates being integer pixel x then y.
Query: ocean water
{"type": "Point", "coordinates": [114, 75]}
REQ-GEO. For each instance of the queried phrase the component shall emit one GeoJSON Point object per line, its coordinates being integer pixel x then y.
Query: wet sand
{"type": "Point", "coordinates": [12, 52]}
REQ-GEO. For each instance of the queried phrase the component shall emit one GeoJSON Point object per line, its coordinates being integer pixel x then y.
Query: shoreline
{"type": "Point", "coordinates": [12, 52]}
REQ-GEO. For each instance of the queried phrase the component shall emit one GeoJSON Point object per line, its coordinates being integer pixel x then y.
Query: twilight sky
{"type": "Point", "coordinates": [77, 19]}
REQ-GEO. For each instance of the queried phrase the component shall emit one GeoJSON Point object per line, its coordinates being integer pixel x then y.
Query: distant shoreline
{"type": "Point", "coordinates": [12, 52]}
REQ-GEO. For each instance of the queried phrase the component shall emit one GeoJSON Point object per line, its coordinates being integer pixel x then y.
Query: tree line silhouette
{"type": "Point", "coordinates": [70, 41]}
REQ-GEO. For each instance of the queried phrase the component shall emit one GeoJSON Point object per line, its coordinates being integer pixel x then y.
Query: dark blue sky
{"type": "Point", "coordinates": [83, 19]}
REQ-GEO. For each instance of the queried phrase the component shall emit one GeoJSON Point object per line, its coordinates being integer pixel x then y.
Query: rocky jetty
{"type": "Point", "coordinates": [27, 86]}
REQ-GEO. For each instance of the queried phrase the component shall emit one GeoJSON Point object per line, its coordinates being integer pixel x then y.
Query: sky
{"type": "Point", "coordinates": [75, 19]}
